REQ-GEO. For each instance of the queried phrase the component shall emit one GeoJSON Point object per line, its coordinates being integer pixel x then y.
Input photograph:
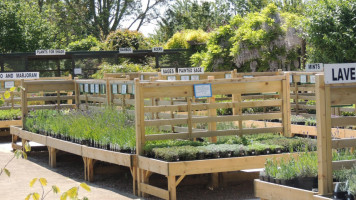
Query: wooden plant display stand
{"type": "Point", "coordinates": [90, 155]}
{"type": "Point", "coordinates": [176, 171]}
{"type": "Point", "coordinates": [329, 95]}
{"type": "Point", "coordinates": [14, 102]}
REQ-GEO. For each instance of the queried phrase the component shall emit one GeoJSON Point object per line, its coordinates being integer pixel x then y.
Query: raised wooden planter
{"type": "Point", "coordinates": [7, 124]}
{"type": "Point", "coordinates": [173, 169]}
{"type": "Point", "coordinates": [271, 191]}
{"type": "Point", "coordinates": [90, 155]}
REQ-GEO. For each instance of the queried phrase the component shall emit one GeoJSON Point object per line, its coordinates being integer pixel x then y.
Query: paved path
{"type": "Point", "coordinates": [23, 171]}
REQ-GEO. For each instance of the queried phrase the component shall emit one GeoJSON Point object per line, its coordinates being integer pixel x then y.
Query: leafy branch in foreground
{"type": "Point", "coordinates": [72, 193]}
{"type": "Point", "coordinates": [17, 154]}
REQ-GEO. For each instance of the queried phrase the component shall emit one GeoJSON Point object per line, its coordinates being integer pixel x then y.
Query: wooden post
{"type": "Point", "coordinates": [23, 102]}
{"type": "Point", "coordinates": [323, 117]}
{"type": "Point", "coordinates": [77, 93]}
{"type": "Point", "coordinates": [286, 112]}
{"type": "Point", "coordinates": [139, 112]}
{"type": "Point", "coordinates": [172, 187]}
{"type": "Point", "coordinates": [59, 100]}
{"type": "Point", "coordinates": [237, 110]}
{"type": "Point", "coordinates": [108, 92]}
{"type": "Point", "coordinates": [52, 156]}
{"type": "Point", "coordinates": [212, 113]}
{"type": "Point", "coordinates": [189, 110]}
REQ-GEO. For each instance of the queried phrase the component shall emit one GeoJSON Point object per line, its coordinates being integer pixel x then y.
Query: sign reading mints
{"type": "Point", "coordinates": [157, 49]}
{"type": "Point", "coordinates": [192, 70]}
{"type": "Point", "coordinates": [19, 75]}
{"type": "Point", "coordinates": [123, 89]}
{"type": "Point", "coordinates": [340, 73]}
{"type": "Point", "coordinates": [166, 71]}
{"type": "Point", "coordinates": [125, 50]}
{"type": "Point", "coordinates": [47, 52]}
{"type": "Point", "coordinates": [314, 67]}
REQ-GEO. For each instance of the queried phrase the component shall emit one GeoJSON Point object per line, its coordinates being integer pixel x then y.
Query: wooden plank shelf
{"type": "Point", "coordinates": [271, 191]}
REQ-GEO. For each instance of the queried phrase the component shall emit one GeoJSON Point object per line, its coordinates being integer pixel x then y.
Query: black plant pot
{"type": "Point", "coordinates": [290, 183]}
{"type": "Point", "coordinates": [306, 183]}
{"type": "Point", "coordinates": [340, 195]}
{"type": "Point", "coordinates": [278, 150]}
{"type": "Point", "coordinates": [278, 181]}
{"type": "Point", "coordinates": [350, 197]}
{"type": "Point", "coordinates": [85, 142]}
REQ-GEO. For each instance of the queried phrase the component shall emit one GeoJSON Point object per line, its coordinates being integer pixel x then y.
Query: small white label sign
{"type": "Point", "coordinates": [303, 78]}
{"type": "Point", "coordinates": [194, 77]}
{"type": "Point", "coordinates": [290, 78]}
{"type": "Point", "coordinates": [314, 67]}
{"type": "Point", "coordinates": [202, 90]}
{"type": "Point", "coordinates": [171, 78]}
{"type": "Point", "coordinates": [114, 89]}
{"type": "Point", "coordinates": [92, 89]}
{"type": "Point", "coordinates": [192, 70]}
{"type": "Point", "coordinates": [248, 76]}
{"type": "Point", "coordinates": [133, 89]}
{"type": "Point", "coordinates": [227, 76]}
{"type": "Point", "coordinates": [125, 50]}
{"type": "Point", "coordinates": [77, 70]}
{"type": "Point", "coordinates": [9, 84]}
{"type": "Point", "coordinates": [312, 78]}
{"type": "Point", "coordinates": [123, 89]}
{"type": "Point", "coordinates": [166, 71]}
{"type": "Point", "coordinates": [157, 49]}
{"type": "Point", "coordinates": [86, 87]}
{"type": "Point", "coordinates": [46, 52]}
{"type": "Point", "coordinates": [184, 78]}
{"type": "Point", "coordinates": [340, 73]}
{"type": "Point", "coordinates": [97, 90]}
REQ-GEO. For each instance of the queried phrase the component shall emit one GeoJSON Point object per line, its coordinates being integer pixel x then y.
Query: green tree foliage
{"type": "Point", "coordinates": [87, 44]}
{"type": "Point", "coordinates": [190, 14]}
{"type": "Point", "coordinates": [124, 67]}
{"type": "Point", "coordinates": [126, 38]}
{"type": "Point", "coordinates": [332, 32]}
{"type": "Point", "coordinates": [260, 41]}
{"type": "Point", "coordinates": [24, 28]}
{"type": "Point", "coordinates": [192, 40]}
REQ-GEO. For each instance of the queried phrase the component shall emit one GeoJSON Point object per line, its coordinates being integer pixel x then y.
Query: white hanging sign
{"type": "Point", "coordinates": [314, 67]}
{"type": "Point", "coordinates": [157, 49]}
{"type": "Point", "coordinates": [166, 71]}
{"type": "Point", "coordinates": [77, 70]}
{"type": "Point", "coordinates": [340, 73]}
{"type": "Point", "coordinates": [192, 70]}
{"type": "Point", "coordinates": [19, 75]}
{"type": "Point", "coordinates": [47, 52]}
{"type": "Point", "coordinates": [125, 50]}
{"type": "Point", "coordinates": [86, 88]}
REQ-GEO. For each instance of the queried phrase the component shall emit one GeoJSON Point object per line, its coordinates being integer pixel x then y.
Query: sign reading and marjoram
{"type": "Point", "coordinates": [340, 73]}
{"type": "Point", "coordinates": [19, 75]}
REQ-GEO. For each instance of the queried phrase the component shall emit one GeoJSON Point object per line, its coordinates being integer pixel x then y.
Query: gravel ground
{"type": "Point", "coordinates": [117, 184]}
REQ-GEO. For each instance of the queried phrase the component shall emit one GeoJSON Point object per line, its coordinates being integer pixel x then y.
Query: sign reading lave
{"type": "Point", "coordinates": [47, 52]}
{"type": "Point", "coordinates": [340, 73]}
{"type": "Point", "coordinates": [19, 75]}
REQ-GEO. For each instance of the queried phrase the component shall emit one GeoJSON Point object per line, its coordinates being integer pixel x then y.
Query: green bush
{"type": "Point", "coordinates": [122, 68]}
{"type": "Point", "coordinates": [125, 38]}
{"type": "Point", "coordinates": [87, 44]}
